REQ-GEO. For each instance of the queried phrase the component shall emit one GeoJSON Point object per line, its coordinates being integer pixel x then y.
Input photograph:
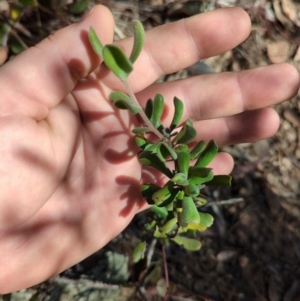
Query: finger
{"type": "Point", "coordinates": [49, 71]}
{"type": "Point", "coordinates": [217, 95]}
{"type": "Point", "coordinates": [249, 126]}
{"type": "Point", "coordinates": [222, 164]}
{"type": "Point", "coordinates": [177, 45]}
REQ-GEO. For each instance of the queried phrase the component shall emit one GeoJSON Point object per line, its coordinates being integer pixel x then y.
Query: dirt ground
{"type": "Point", "coordinates": [253, 250]}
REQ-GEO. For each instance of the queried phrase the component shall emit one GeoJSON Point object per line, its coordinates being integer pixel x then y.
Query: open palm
{"type": "Point", "coordinates": [69, 177]}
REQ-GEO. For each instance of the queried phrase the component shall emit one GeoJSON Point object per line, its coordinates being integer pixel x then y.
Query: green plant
{"type": "Point", "coordinates": [176, 203]}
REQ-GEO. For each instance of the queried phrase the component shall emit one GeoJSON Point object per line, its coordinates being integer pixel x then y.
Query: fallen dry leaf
{"type": "Point", "coordinates": [291, 10]}
{"type": "Point", "coordinates": [286, 22]}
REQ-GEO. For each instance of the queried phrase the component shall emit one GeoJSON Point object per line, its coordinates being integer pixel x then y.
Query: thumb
{"type": "Point", "coordinates": [49, 71]}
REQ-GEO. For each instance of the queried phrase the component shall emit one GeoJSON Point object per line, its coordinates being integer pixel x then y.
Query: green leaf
{"type": "Point", "coordinates": [191, 190]}
{"type": "Point", "coordinates": [178, 105]}
{"type": "Point", "coordinates": [168, 203]}
{"type": "Point", "coordinates": [119, 95]}
{"type": "Point", "coordinates": [189, 244]}
{"type": "Point", "coordinates": [180, 179]}
{"type": "Point", "coordinates": [151, 225]}
{"type": "Point", "coordinates": [149, 159]}
{"type": "Point", "coordinates": [169, 150]}
{"type": "Point", "coordinates": [183, 161]}
{"type": "Point", "coordinates": [124, 102]}
{"type": "Point", "coordinates": [161, 212]}
{"type": "Point", "coordinates": [186, 134]}
{"type": "Point", "coordinates": [140, 130]}
{"type": "Point", "coordinates": [220, 180]}
{"type": "Point", "coordinates": [124, 105]}
{"type": "Point", "coordinates": [95, 42]}
{"type": "Point", "coordinates": [116, 61]}
{"type": "Point", "coordinates": [139, 252]}
{"type": "Point", "coordinates": [199, 147]}
{"type": "Point", "coordinates": [196, 227]}
{"type": "Point", "coordinates": [169, 225]}
{"type": "Point", "coordinates": [207, 155]}
{"type": "Point", "coordinates": [161, 151]}
{"type": "Point", "coordinates": [206, 219]}
{"type": "Point", "coordinates": [200, 201]}
{"type": "Point", "coordinates": [139, 39]}
{"type": "Point", "coordinates": [189, 214]}
{"type": "Point", "coordinates": [182, 148]}
{"type": "Point", "coordinates": [147, 191]}
{"type": "Point", "coordinates": [153, 147]}
{"type": "Point", "coordinates": [158, 234]}
{"type": "Point", "coordinates": [149, 108]}
{"type": "Point", "coordinates": [202, 172]}
{"type": "Point", "coordinates": [158, 108]}
{"type": "Point", "coordinates": [163, 193]}
{"type": "Point", "coordinates": [79, 7]}
{"type": "Point", "coordinates": [141, 142]}
{"type": "Point", "coordinates": [200, 175]}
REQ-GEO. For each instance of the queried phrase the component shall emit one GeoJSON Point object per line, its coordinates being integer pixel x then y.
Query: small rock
{"type": "Point", "coordinates": [226, 255]}
{"type": "Point", "coordinates": [287, 163]}
{"type": "Point", "coordinates": [278, 51]}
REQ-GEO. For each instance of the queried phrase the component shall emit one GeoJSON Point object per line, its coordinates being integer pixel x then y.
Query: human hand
{"type": "Point", "coordinates": [69, 177]}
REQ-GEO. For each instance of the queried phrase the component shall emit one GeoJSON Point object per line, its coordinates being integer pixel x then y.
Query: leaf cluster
{"type": "Point", "coordinates": [177, 203]}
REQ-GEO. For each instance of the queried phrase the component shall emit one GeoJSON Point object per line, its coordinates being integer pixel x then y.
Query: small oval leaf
{"type": "Point", "coordinates": [149, 159]}
{"type": "Point", "coordinates": [139, 252]}
{"type": "Point", "coordinates": [191, 190]}
{"type": "Point", "coordinates": [169, 225]}
{"type": "Point", "coordinates": [161, 212]}
{"type": "Point", "coordinates": [158, 234]}
{"type": "Point", "coordinates": [189, 214]}
{"type": "Point", "coordinates": [124, 102]}
{"type": "Point", "coordinates": [182, 148]}
{"type": "Point", "coordinates": [200, 201]}
{"type": "Point", "coordinates": [139, 39]}
{"type": "Point", "coordinates": [141, 142]}
{"type": "Point", "coordinates": [147, 191]}
{"type": "Point", "coordinates": [220, 180]}
{"type": "Point", "coordinates": [183, 161]}
{"type": "Point", "coordinates": [178, 105]}
{"type": "Point", "coordinates": [116, 61]}
{"type": "Point", "coordinates": [189, 244]}
{"type": "Point", "coordinates": [119, 95]}
{"type": "Point", "coordinates": [200, 175]}
{"type": "Point", "coordinates": [207, 155]}
{"type": "Point", "coordinates": [206, 219]}
{"type": "Point", "coordinates": [180, 179]}
{"type": "Point", "coordinates": [95, 42]}
{"type": "Point", "coordinates": [124, 105]}
{"type": "Point", "coordinates": [158, 108]}
{"type": "Point", "coordinates": [140, 130]}
{"type": "Point", "coordinates": [149, 108]}
{"type": "Point", "coordinates": [169, 150]}
{"type": "Point", "coordinates": [163, 193]}
{"type": "Point", "coordinates": [199, 147]}
{"type": "Point", "coordinates": [186, 134]}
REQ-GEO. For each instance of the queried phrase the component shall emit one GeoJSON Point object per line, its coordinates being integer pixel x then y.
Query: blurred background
{"type": "Point", "coordinates": [253, 250]}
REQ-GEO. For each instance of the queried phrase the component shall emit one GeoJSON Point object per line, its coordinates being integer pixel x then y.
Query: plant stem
{"type": "Point", "coordinates": [166, 273]}
{"type": "Point", "coordinates": [165, 267]}
{"type": "Point", "coordinates": [142, 113]}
